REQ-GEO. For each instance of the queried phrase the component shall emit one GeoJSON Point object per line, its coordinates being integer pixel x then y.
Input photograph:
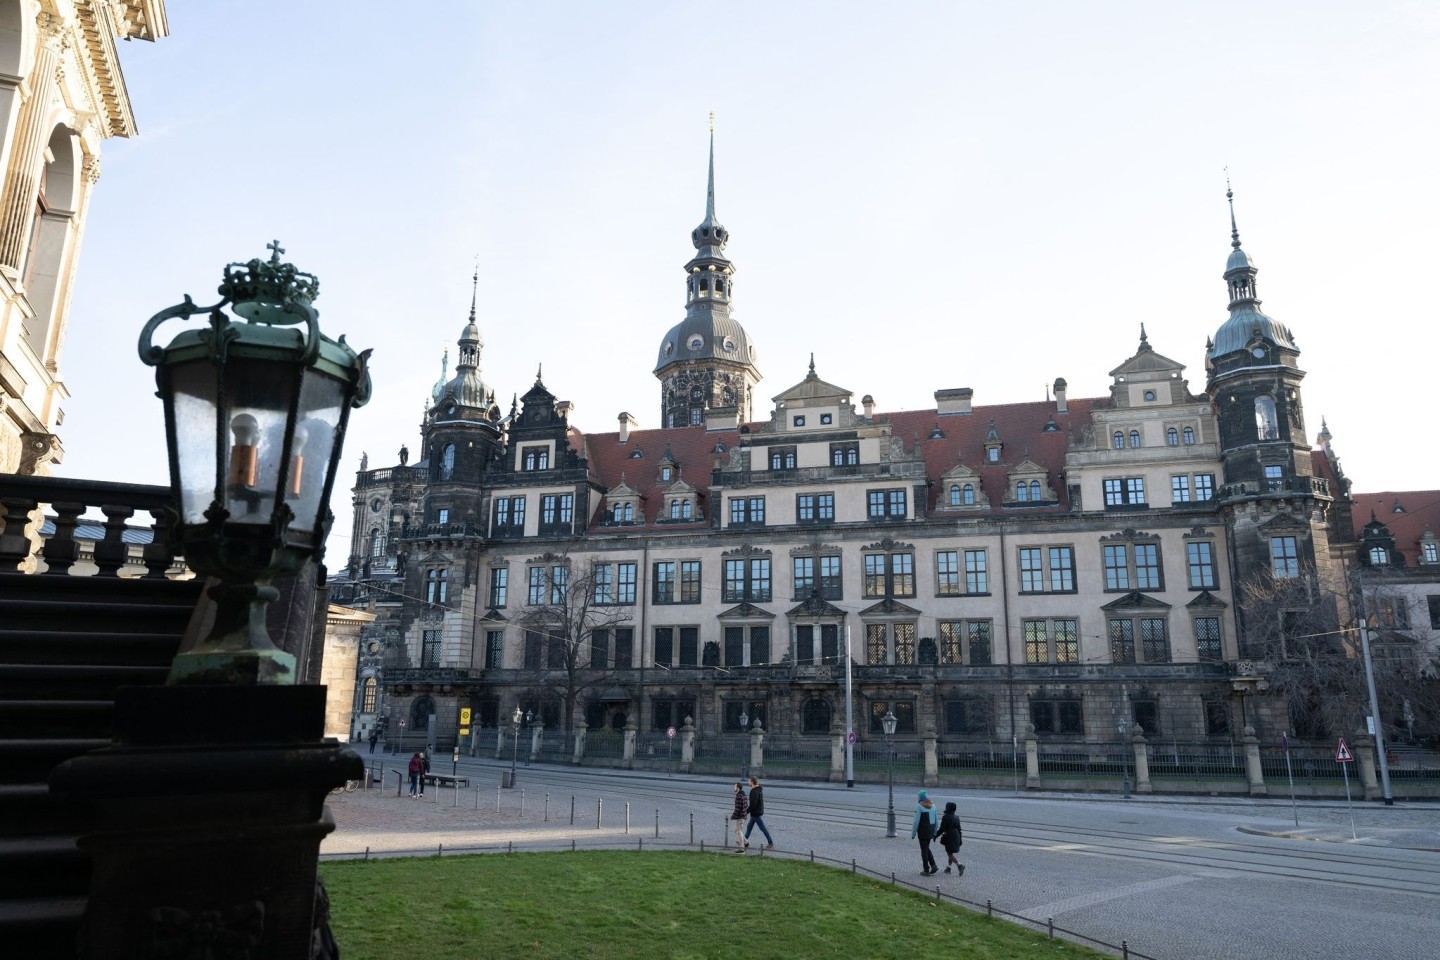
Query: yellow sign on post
{"type": "Point", "coordinates": [464, 716]}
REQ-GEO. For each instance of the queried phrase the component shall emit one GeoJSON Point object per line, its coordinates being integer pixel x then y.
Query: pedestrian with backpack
{"type": "Point", "coordinates": [951, 838]}
{"type": "Point", "coordinates": [924, 827]}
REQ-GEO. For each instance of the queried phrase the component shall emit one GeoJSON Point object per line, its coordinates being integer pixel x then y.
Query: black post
{"type": "Point", "coordinates": [890, 812]}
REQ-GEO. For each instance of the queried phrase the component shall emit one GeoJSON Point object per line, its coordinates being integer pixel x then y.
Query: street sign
{"type": "Point", "coordinates": [1342, 752]}
{"type": "Point", "coordinates": [402, 723]}
{"type": "Point", "coordinates": [851, 736]}
{"type": "Point", "coordinates": [670, 732]}
{"type": "Point", "coordinates": [464, 716]}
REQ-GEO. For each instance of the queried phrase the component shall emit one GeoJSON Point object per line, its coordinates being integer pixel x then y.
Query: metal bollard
{"type": "Point", "coordinates": [627, 816]}
{"type": "Point", "coordinates": [497, 799]}
{"type": "Point", "coordinates": [367, 853]}
{"type": "Point", "coordinates": [692, 829]}
{"type": "Point", "coordinates": [599, 806]}
{"type": "Point", "coordinates": [1050, 927]}
{"type": "Point", "coordinates": [547, 807]}
{"type": "Point", "coordinates": [522, 803]}
{"type": "Point", "coordinates": [572, 809]}
{"type": "Point", "coordinates": [440, 852]}
{"type": "Point", "coordinates": [657, 824]}
{"type": "Point", "coordinates": [1125, 950]}
{"type": "Point", "coordinates": [455, 797]}
{"type": "Point", "coordinates": [989, 908]}
{"type": "Point", "coordinates": [477, 796]}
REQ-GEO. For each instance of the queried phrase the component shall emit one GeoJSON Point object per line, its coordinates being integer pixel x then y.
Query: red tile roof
{"type": "Point", "coordinates": [1421, 512]}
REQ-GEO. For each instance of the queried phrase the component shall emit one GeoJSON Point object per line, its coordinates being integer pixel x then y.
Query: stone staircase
{"type": "Point", "coordinates": [67, 643]}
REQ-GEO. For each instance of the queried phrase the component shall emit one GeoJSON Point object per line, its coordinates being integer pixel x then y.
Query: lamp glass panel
{"type": "Point", "coordinates": [261, 390]}
{"type": "Point", "coordinates": [193, 387]}
{"type": "Point", "coordinates": [319, 423]}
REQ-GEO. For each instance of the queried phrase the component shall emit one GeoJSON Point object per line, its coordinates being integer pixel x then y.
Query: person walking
{"type": "Point", "coordinates": [950, 839]}
{"type": "Point", "coordinates": [416, 768]}
{"type": "Point", "coordinates": [737, 816]}
{"type": "Point", "coordinates": [373, 737]}
{"type": "Point", "coordinates": [424, 769]}
{"type": "Point", "coordinates": [757, 816]}
{"type": "Point", "coordinates": [924, 827]}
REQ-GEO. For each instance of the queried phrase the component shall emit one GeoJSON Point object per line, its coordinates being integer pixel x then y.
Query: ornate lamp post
{"type": "Point", "coordinates": [186, 850]}
{"type": "Point", "coordinates": [515, 722]}
{"type": "Point", "coordinates": [1125, 749]}
{"type": "Point", "coordinates": [887, 723]}
{"type": "Point", "coordinates": [255, 414]}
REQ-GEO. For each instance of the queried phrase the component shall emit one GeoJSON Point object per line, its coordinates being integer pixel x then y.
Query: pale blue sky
{"type": "Point", "coordinates": [925, 195]}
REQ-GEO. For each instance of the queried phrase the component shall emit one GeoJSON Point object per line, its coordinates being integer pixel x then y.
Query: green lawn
{"type": "Point", "coordinates": [629, 905]}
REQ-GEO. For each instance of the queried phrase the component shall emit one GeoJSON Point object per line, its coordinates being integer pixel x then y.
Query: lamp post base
{"type": "Point", "coordinates": [237, 668]}
{"type": "Point", "coordinates": [209, 812]}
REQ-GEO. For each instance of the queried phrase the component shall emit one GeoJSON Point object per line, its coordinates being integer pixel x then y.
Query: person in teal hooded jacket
{"type": "Point", "coordinates": [924, 828]}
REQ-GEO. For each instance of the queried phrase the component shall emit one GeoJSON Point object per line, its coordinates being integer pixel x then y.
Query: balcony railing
{"type": "Point", "coordinates": [58, 543]}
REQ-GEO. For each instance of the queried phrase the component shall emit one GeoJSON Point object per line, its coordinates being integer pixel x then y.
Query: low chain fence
{"type": "Point", "coordinates": [640, 844]}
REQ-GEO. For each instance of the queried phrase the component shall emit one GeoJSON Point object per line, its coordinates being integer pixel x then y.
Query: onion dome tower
{"type": "Point", "coordinates": [706, 365]}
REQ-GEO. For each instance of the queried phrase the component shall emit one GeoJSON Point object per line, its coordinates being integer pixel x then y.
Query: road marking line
{"type": "Point", "coordinates": [1058, 907]}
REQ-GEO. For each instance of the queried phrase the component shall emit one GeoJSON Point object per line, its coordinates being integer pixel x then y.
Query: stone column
{"type": "Point", "coordinates": [1142, 760]}
{"type": "Point", "coordinates": [1364, 754]}
{"type": "Point", "coordinates": [1254, 774]}
{"type": "Point", "coordinates": [537, 734]}
{"type": "Point", "coordinates": [1032, 758]}
{"type": "Point", "coordinates": [757, 749]}
{"type": "Point", "coordinates": [687, 744]}
{"type": "Point", "coordinates": [581, 728]}
{"type": "Point", "coordinates": [17, 205]}
{"type": "Point", "coordinates": [632, 731]}
{"type": "Point", "coordinates": [932, 764]}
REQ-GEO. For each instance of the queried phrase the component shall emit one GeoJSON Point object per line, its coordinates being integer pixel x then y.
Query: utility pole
{"type": "Point", "coordinates": [1378, 731]}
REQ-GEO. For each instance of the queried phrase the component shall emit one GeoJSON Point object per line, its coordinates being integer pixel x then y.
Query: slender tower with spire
{"type": "Point", "coordinates": [706, 365]}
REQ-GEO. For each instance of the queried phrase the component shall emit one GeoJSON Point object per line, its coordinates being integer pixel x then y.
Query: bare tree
{"type": "Point", "coordinates": [577, 605]}
{"type": "Point", "coordinates": [1305, 631]}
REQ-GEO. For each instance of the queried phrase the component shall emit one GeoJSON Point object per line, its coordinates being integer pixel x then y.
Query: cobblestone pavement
{"type": "Point", "coordinates": [1175, 877]}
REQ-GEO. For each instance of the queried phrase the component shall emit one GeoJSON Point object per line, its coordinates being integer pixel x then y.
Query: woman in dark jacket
{"type": "Point", "coordinates": [950, 838]}
{"type": "Point", "coordinates": [416, 767]}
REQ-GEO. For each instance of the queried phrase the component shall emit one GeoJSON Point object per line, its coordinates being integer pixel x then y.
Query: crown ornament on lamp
{"type": "Point", "coordinates": [255, 416]}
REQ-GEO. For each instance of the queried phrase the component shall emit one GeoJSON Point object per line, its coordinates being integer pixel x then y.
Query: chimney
{"type": "Point", "coordinates": [1060, 406]}
{"type": "Point", "coordinates": [954, 400]}
{"type": "Point", "coordinates": [563, 408]}
{"type": "Point", "coordinates": [626, 423]}
{"type": "Point", "coordinates": [868, 402]}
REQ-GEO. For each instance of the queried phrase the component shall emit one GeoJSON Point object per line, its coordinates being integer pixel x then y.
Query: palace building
{"type": "Point", "coordinates": [990, 568]}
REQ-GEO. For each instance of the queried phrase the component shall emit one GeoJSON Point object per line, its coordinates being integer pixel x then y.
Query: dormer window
{"type": "Point", "coordinates": [967, 495]}
{"type": "Point", "coordinates": [955, 495]}
{"type": "Point", "coordinates": [535, 458]}
{"type": "Point", "coordinates": [1379, 556]}
{"type": "Point", "coordinates": [1189, 435]}
{"type": "Point", "coordinates": [667, 474]}
{"type": "Point", "coordinates": [992, 454]}
{"type": "Point", "coordinates": [1430, 552]}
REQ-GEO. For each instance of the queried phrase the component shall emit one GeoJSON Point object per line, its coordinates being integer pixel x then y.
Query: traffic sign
{"type": "Point", "coordinates": [851, 736]}
{"type": "Point", "coordinates": [464, 716]}
{"type": "Point", "coordinates": [670, 732]}
{"type": "Point", "coordinates": [402, 723]}
{"type": "Point", "coordinates": [1342, 752]}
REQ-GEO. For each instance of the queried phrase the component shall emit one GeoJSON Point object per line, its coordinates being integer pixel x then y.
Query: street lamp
{"type": "Point", "coordinates": [745, 750]}
{"type": "Point", "coordinates": [887, 723]}
{"type": "Point", "coordinates": [255, 414]}
{"type": "Point", "coordinates": [1124, 749]}
{"type": "Point", "coordinates": [515, 722]}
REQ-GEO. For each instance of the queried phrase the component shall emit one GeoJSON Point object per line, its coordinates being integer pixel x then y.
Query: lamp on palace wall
{"type": "Point", "coordinates": [256, 408]}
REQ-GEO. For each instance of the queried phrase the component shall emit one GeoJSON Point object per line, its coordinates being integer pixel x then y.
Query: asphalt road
{"type": "Point", "coordinates": [1174, 879]}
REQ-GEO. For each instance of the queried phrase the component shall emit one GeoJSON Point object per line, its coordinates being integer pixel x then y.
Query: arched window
{"type": "Point", "coordinates": [43, 262]}
{"type": "Point", "coordinates": [1265, 425]}
{"type": "Point", "coordinates": [954, 494]}
{"type": "Point", "coordinates": [437, 586]}
{"type": "Point", "coordinates": [685, 509]}
{"type": "Point", "coordinates": [629, 512]}
{"type": "Point", "coordinates": [969, 494]}
{"type": "Point", "coordinates": [1022, 491]}
{"type": "Point", "coordinates": [377, 543]}
{"type": "Point", "coordinates": [1035, 490]}
{"type": "Point", "coordinates": [1172, 437]}
{"type": "Point", "coordinates": [1189, 436]}
{"type": "Point", "coordinates": [447, 461]}
{"type": "Point", "coordinates": [674, 509]}
{"type": "Point", "coordinates": [1119, 440]}
{"type": "Point", "coordinates": [1379, 556]}
{"type": "Point", "coordinates": [1134, 438]}
{"type": "Point", "coordinates": [367, 695]}
{"type": "Point", "coordinates": [616, 510]}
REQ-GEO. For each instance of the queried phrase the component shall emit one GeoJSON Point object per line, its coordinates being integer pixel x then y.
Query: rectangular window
{"type": "Point", "coordinates": [559, 581]}
{"type": "Point", "coordinates": [1204, 486]}
{"type": "Point", "coordinates": [830, 578]}
{"type": "Point", "coordinates": [965, 641]}
{"type": "Point", "coordinates": [759, 645]}
{"type": "Point", "coordinates": [875, 575]}
{"type": "Point", "coordinates": [1062, 570]}
{"type": "Point", "coordinates": [509, 516]}
{"type": "Point", "coordinates": [734, 587]}
{"type": "Point", "coordinates": [804, 644]}
{"type": "Point", "coordinates": [532, 650]}
{"type": "Point", "coordinates": [903, 635]}
{"type": "Point", "coordinates": [1200, 558]}
{"type": "Point", "coordinates": [1180, 488]}
{"type": "Point", "coordinates": [971, 715]}
{"type": "Point", "coordinates": [1122, 641]}
{"type": "Point", "coordinates": [599, 649]}
{"type": "Point", "coordinates": [548, 509]}
{"type": "Point", "coordinates": [1032, 570]}
{"type": "Point", "coordinates": [1057, 717]}
{"type": "Point", "coordinates": [1207, 638]}
{"type": "Point", "coordinates": [904, 711]}
{"type": "Point", "coordinates": [976, 580]}
{"type": "Point", "coordinates": [1037, 641]}
{"type": "Point", "coordinates": [665, 646]}
{"type": "Point", "coordinates": [950, 641]}
{"type": "Point", "coordinates": [902, 574]}
{"type": "Point", "coordinates": [815, 507]}
{"type": "Point", "coordinates": [555, 650]}
{"type": "Point", "coordinates": [689, 646]}
{"type": "Point", "coordinates": [1393, 613]}
{"type": "Point", "coordinates": [947, 573]}
{"type": "Point", "coordinates": [1147, 566]}
{"type": "Point", "coordinates": [535, 595]}
{"type": "Point", "coordinates": [625, 583]}
{"type": "Point", "coordinates": [689, 581]}
{"type": "Point", "coordinates": [604, 584]}
{"type": "Point", "coordinates": [535, 458]}
{"type": "Point", "coordinates": [1154, 640]}
{"type": "Point", "coordinates": [624, 648]}
{"type": "Point", "coordinates": [1051, 641]}
{"type": "Point", "coordinates": [1117, 568]}
{"type": "Point", "coordinates": [1147, 716]}
{"type": "Point", "coordinates": [734, 646]}
{"type": "Point", "coordinates": [1284, 557]}
{"type": "Point", "coordinates": [1217, 718]}
{"type": "Point", "coordinates": [885, 504]}
{"type": "Point", "coordinates": [844, 454]}
{"type": "Point", "coordinates": [1125, 492]}
{"type": "Point", "coordinates": [665, 581]}
{"type": "Point", "coordinates": [875, 652]}
{"type": "Point", "coordinates": [977, 641]}
{"type": "Point", "coordinates": [430, 645]}
{"type": "Point", "coordinates": [804, 571]}
{"type": "Point", "coordinates": [494, 649]}
{"type": "Point", "coordinates": [556, 511]}
{"type": "Point", "coordinates": [747, 580]}
{"type": "Point", "coordinates": [747, 511]}
{"type": "Point", "coordinates": [782, 458]}
{"type": "Point", "coordinates": [499, 586]}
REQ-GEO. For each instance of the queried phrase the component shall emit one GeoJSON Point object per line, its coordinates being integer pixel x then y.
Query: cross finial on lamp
{"type": "Point", "coordinates": [275, 250]}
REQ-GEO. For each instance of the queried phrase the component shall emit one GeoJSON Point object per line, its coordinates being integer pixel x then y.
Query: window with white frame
{"type": "Point", "coordinates": [1124, 492]}
{"type": "Point", "coordinates": [1200, 561]}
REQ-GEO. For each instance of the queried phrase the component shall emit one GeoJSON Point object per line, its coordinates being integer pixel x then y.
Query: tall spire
{"type": "Point", "coordinates": [710, 187]}
{"type": "Point", "coordinates": [1234, 230]}
{"type": "Point", "coordinates": [1240, 270]}
{"type": "Point", "coordinates": [474, 287]}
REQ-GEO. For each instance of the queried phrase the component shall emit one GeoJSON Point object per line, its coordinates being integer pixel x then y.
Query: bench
{"type": "Point", "coordinates": [445, 780]}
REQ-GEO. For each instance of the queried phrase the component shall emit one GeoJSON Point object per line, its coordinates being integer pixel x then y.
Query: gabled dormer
{"type": "Point", "coordinates": [623, 505]}
{"type": "Point", "coordinates": [1377, 546]}
{"type": "Point", "coordinates": [1429, 548]}
{"type": "Point", "coordinates": [1028, 484]}
{"type": "Point", "coordinates": [679, 503]}
{"type": "Point", "coordinates": [960, 491]}
{"type": "Point", "coordinates": [1148, 379]}
{"type": "Point", "coordinates": [994, 447]}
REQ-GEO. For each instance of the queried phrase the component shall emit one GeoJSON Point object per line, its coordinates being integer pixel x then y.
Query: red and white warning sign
{"type": "Point", "coordinates": [1342, 752]}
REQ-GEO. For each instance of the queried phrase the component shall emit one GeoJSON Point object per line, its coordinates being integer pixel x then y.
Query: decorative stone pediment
{"type": "Point", "coordinates": [815, 608]}
{"type": "Point", "coordinates": [1283, 522]}
{"type": "Point", "coordinates": [745, 611]}
{"type": "Point", "coordinates": [813, 550]}
{"type": "Point", "coordinates": [1199, 533]}
{"type": "Point", "coordinates": [746, 551]}
{"type": "Point", "coordinates": [1136, 601]}
{"type": "Point", "coordinates": [1028, 482]}
{"type": "Point", "coordinates": [889, 607]}
{"type": "Point", "coordinates": [1206, 600]}
{"type": "Point", "coordinates": [549, 557]}
{"type": "Point", "coordinates": [1130, 535]}
{"type": "Point", "coordinates": [887, 545]}
{"type": "Point", "coordinates": [494, 616]}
